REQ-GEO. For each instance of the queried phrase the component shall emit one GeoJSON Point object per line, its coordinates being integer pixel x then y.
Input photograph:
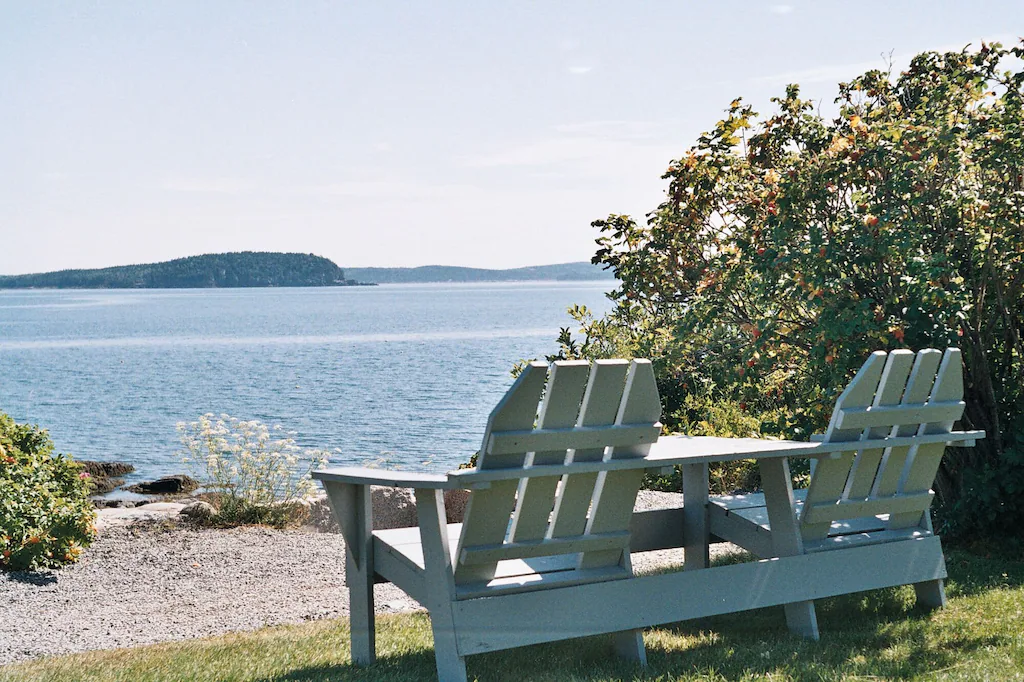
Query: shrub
{"type": "Point", "coordinates": [46, 518]}
{"type": "Point", "coordinates": [787, 251]}
{"type": "Point", "coordinates": [254, 478]}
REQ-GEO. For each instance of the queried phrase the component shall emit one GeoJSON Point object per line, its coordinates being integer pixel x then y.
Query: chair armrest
{"type": "Point", "coordinates": [817, 437]}
{"type": "Point", "coordinates": [384, 477]}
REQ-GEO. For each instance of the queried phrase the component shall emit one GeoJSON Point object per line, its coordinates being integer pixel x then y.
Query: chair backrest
{"type": "Point", "coordinates": [577, 412]}
{"type": "Point", "coordinates": [894, 394]}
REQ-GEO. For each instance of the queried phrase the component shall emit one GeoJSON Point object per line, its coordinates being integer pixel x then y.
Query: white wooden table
{"type": "Point", "coordinates": [695, 453]}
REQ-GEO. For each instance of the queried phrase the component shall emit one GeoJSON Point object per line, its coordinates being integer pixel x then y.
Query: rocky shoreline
{"type": "Point", "coordinates": [152, 576]}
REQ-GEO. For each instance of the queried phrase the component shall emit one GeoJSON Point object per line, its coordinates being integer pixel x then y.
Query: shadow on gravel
{"type": "Point", "coordinates": [37, 578]}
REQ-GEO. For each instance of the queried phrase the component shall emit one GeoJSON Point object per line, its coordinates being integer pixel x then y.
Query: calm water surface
{"type": "Point", "coordinates": [402, 372]}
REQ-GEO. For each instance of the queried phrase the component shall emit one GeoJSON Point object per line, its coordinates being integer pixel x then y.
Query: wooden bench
{"type": "Point", "coordinates": [873, 495]}
{"type": "Point", "coordinates": [544, 551]}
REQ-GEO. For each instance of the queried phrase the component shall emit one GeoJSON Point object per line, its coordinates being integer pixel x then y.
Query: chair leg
{"type": "Point", "coordinates": [931, 594]}
{"type": "Point", "coordinates": [361, 617]}
{"type": "Point", "coordinates": [629, 644]}
{"type": "Point", "coordinates": [440, 587]}
{"type": "Point", "coordinates": [353, 508]}
{"type": "Point", "coordinates": [802, 619]}
{"type": "Point", "coordinates": [451, 667]}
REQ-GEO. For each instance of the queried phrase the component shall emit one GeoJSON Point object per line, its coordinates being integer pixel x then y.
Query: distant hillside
{"type": "Point", "coordinates": [245, 269]}
{"type": "Point", "coordinates": [446, 273]}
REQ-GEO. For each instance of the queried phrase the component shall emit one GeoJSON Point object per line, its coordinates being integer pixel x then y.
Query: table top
{"type": "Point", "coordinates": [679, 449]}
{"type": "Point", "coordinates": [667, 451]}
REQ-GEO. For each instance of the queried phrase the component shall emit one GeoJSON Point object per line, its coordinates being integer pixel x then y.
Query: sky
{"type": "Point", "coordinates": [385, 133]}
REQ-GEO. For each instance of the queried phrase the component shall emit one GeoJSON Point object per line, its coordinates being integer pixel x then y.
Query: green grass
{"type": "Point", "coordinates": [870, 636]}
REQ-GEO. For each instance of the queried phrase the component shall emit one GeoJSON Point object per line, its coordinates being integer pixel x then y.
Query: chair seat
{"type": "Point", "coordinates": [511, 575]}
{"type": "Point", "coordinates": [751, 506]}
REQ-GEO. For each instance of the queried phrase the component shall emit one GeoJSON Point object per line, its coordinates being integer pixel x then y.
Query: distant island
{"type": "Point", "coordinates": [215, 270]}
{"type": "Point", "coordinates": [269, 269]}
{"type": "Point", "coordinates": [577, 271]}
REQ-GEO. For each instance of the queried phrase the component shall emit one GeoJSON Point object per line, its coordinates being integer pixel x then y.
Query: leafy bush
{"type": "Point", "coordinates": [789, 250]}
{"type": "Point", "coordinates": [46, 518]}
{"type": "Point", "coordinates": [255, 479]}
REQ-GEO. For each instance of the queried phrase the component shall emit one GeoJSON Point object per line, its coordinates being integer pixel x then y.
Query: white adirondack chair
{"type": "Point", "coordinates": [861, 497]}
{"type": "Point", "coordinates": [550, 512]}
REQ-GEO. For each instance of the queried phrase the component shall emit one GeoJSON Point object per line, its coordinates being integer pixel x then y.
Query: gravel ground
{"type": "Point", "coordinates": [158, 581]}
{"type": "Point", "coordinates": [144, 584]}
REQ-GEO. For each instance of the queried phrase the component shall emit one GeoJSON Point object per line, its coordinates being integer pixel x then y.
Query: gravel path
{"type": "Point", "coordinates": [154, 582]}
{"type": "Point", "coordinates": [139, 585]}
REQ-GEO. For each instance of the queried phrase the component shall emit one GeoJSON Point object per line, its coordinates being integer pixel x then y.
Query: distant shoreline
{"type": "Point", "coordinates": [250, 269]}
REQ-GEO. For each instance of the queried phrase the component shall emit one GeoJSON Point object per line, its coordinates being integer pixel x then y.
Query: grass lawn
{"type": "Point", "coordinates": [870, 636]}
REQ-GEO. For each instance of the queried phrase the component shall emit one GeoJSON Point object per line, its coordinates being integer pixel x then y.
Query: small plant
{"type": "Point", "coordinates": [46, 518]}
{"type": "Point", "coordinates": [254, 476]}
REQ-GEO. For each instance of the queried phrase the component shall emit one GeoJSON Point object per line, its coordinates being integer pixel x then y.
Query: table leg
{"type": "Point", "coordinates": [786, 538]}
{"type": "Point", "coordinates": [696, 553]}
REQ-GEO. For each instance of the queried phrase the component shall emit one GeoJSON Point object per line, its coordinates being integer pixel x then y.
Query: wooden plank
{"type": "Point", "coordinates": [541, 582]}
{"type": "Point", "coordinates": [890, 392]}
{"type": "Point", "coordinates": [559, 411]}
{"type": "Point", "coordinates": [516, 411]}
{"type": "Point", "coordinates": [544, 439]}
{"type": "Point", "coordinates": [656, 529]}
{"type": "Point", "coordinates": [528, 549]}
{"type": "Point", "coordinates": [384, 477]}
{"type": "Point", "coordinates": [488, 511]}
{"type": "Point", "coordinates": [615, 496]}
{"type": "Point", "coordinates": [676, 449]}
{"type": "Point", "coordinates": [736, 529]}
{"type": "Point", "coordinates": [821, 512]}
{"type": "Point", "coordinates": [353, 509]}
{"type": "Point", "coordinates": [874, 537]}
{"type": "Point", "coordinates": [533, 617]}
{"type": "Point", "coordinates": [696, 552]}
{"type": "Point", "coordinates": [396, 568]}
{"type": "Point", "coordinates": [439, 590]}
{"type": "Point", "coordinates": [925, 459]}
{"type": "Point", "coordinates": [786, 538]}
{"type": "Point", "coordinates": [919, 386]}
{"type": "Point", "coordinates": [600, 407]}
{"type": "Point", "coordinates": [868, 417]}
{"type": "Point", "coordinates": [831, 475]}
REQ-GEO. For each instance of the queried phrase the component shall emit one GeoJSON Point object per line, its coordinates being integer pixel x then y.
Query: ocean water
{"type": "Point", "coordinates": [401, 373]}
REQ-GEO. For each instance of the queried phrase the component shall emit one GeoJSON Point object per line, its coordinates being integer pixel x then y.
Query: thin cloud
{"type": "Point", "coordinates": [390, 189]}
{"type": "Point", "coordinates": [579, 70]}
{"type": "Point", "coordinates": [781, 9]}
{"type": "Point", "coordinates": [618, 129]}
{"type": "Point", "coordinates": [206, 185]}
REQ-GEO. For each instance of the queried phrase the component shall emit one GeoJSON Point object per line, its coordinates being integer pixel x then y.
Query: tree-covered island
{"type": "Point", "coordinates": [215, 270]}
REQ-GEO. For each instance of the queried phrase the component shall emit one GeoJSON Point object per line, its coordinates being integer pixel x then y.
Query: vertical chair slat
{"type": "Point", "coordinates": [615, 496]}
{"type": "Point", "coordinates": [831, 475]}
{"type": "Point", "coordinates": [600, 407]}
{"type": "Point", "coordinates": [559, 409]}
{"type": "Point", "coordinates": [487, 511]}
{"type": "Point", "coordinates": [919, 386]}
{"type": "Point", "coordinates": [925, 459]}
{"type": "Point", "coordinates": [890, 392]}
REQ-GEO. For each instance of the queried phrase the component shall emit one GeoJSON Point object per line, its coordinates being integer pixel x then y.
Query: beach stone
{"type": "Point", "coordinates": [198, 511]}
{"type": "Point", "coordinates": [100, 485]}
{"type": "Point", "coordinates": [178, 483]}
{"type": "Point", "coordinates": [455, 504]}
{"type": "Point", "coordinates": [154, 511]}
{"type": "Point", "coordinates": [392, 508]}
{"type": "Point", "coordinates": [106, 469]}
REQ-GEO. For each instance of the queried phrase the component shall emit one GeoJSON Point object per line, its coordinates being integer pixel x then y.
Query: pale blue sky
{"type": "Point", "coordinates": [396, 134]}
